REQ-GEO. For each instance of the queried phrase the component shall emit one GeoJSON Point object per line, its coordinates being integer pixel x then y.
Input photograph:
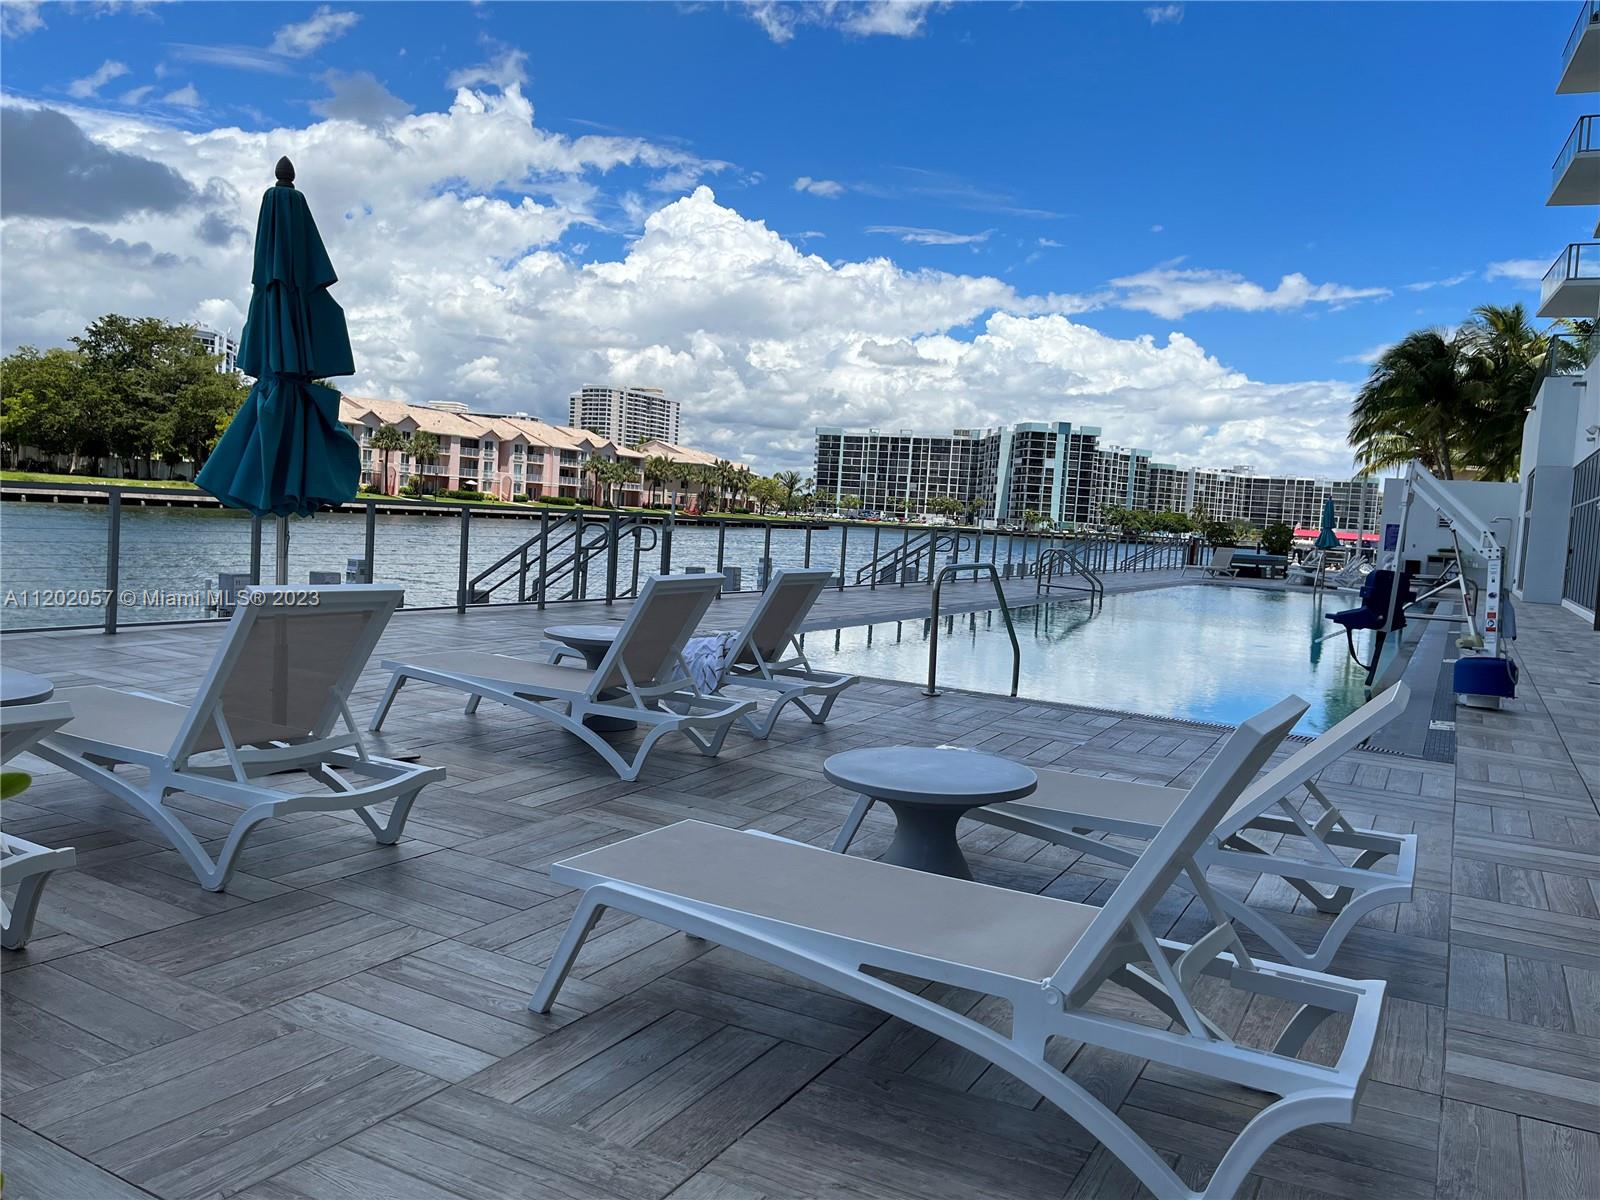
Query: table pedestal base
{"type": "Point", "coordinates": [925, 839]}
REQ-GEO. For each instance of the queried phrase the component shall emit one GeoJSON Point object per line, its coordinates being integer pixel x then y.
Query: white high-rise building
{"type": "Point", "coordinates": [625, 416]}
{"type": "Point", "coordinates": [1555, 556]}
{"type": "Point", "coordinates": [223, 345]}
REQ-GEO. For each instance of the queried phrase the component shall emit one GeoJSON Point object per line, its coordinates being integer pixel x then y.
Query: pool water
{"type": "Point", "coordinates": [1196, 652]}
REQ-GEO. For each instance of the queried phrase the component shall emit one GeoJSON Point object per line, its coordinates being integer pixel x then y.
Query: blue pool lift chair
{"type": "Point", "coordinates": [1383, 610]}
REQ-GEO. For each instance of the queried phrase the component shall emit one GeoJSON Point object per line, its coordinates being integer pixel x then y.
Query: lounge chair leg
{"type": "Point", "coordinates": [388, 832]}
{"type": "Point", "coordinates": [578, 930]}
{"type": "Point", "coordinates": [472, 704]}
{"type": "Point", "coordinates": [847, 832]}
{"type": "Point", "coordinates": [396, 682]}
{"type": "Point", "coordinates": [19, 928]}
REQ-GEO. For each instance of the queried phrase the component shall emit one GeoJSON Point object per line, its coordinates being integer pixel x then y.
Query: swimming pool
{"type": "Point", "coordinates": [1197, 652]}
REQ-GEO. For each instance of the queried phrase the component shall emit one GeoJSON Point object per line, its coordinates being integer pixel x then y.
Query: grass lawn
{"type": "Point", "coordinates": [103, 481]}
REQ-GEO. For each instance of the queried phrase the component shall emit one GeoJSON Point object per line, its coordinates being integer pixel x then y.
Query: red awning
{"type": "Point", "coordinates": [1344, 535]}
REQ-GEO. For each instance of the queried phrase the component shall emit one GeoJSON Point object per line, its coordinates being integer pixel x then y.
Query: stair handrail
{"type": "Point", "coordinates": [946, 572]}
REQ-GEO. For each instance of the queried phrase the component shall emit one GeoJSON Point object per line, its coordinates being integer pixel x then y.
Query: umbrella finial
{"type": "Point", "coordinates": [285, 172]}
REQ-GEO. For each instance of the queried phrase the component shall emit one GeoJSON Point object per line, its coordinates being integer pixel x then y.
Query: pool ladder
{"type": "Point", "coordinates": [948, 572]}
{"type": "Point", "coordinates": [1064, 561]}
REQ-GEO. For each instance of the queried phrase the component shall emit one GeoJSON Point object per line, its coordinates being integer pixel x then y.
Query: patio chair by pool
{"type": "Point", "coordinates": [23, 864]}
{"type": "Point", "coordinates": [1308, 570]}
{"type": "Point", "coordinates": [847, 923]}
{"type": "Point", "coordinates": [641, 679]}
{"type": "Point", "coordinates": [1068, 806]}
{"type": "Point", "coordinates": [1221, 562]}
{"type": "Point", "coordinates": [267, 715]}
{"type": "Point", "coordinates": [767, 653]}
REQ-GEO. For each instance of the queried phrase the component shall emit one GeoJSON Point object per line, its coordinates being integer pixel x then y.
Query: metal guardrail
{"type": "Point", "coordinates": [1064, 560]}
{"type": "Point", "coordinates": [947, 572]}
{"type": "Point", "coordinates": [1585, 137]}
{"type": "Point", "coordinates": [1580, 260]}
{"type": "Point", "coordinates": [1588, 14]}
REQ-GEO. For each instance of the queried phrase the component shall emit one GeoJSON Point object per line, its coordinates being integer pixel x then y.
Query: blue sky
{"type": "Point", "coordinates": [1165, 167]}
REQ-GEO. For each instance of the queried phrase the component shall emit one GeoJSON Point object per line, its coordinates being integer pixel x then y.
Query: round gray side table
{"type": "Point", "coordinates": [23, 687]}
{"type": "Point", "coordinates": [593, 641]}
{"type": "Point", "coordinates": [929, 789]}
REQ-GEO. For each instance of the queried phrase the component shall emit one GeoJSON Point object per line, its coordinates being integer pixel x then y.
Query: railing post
{"type": "Point", "coordinates": [113, 555]}
{"type": "Point", "coordinates": [611, 558]}
{"type": "Point", "coordinates": [872, 565]}
{"type": "Point", "coordinates": [807, 562]}
{"type": "Point", "coordinates": [666, 541]}
{"type": "Point", "coordinates": [255, 551]}
{"type": "Point", "coordinates": [905, 542]}
{"type": "Point", "coordinates": [522, 574]}
{"type": "Point", "coordinates": [762, 579]}
{"type": "Point", "coordinates": [844, 541]}
{"type": "Point", "coordinates": [461, 574]}
{"type": "Point", "coordinates": [370, 543]}
{"type": "Point", "coordinates": [722, 555]}
{"type": "Point", "coordinates": [544, 557]}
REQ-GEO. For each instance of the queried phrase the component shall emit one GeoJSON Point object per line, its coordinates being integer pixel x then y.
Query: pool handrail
{"type": "Point", "coordinates": [946, 572]}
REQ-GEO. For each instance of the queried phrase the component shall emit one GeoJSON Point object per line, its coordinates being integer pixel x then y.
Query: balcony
{"type": "Point", "coordinates": [1575, 176]}
{"type": "Point", "coordinates": [1571, 286]}
{"type": "Point", "coordinates": [1580, 58]}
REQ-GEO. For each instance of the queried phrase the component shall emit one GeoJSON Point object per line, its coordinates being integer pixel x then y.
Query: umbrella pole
{"type": "Point", "coordinates": [283, 551]}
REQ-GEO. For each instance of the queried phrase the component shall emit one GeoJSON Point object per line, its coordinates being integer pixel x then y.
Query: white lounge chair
{"type": "Point", "coordinates": [768, 656]}
{"type": "Point", "coordinates": [841, 922]}
{"type": "Point", "coordinates": [25, 864]}
{"type": "Point", "coordinates": [268, 710]}
{"type": "Point", "coordinates": [1067, 806]}
{"type": "Point", "coordinates": [1221, 563]}
{"type": "Point", "coordinates": [1307, 570]}
{"type": "Point", "coordinates": [642, 678]}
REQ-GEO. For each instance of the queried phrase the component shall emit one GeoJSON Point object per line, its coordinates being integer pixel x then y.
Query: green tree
{"type": "Point", "coordinates": [1276, 538]}
{"type": "Point", "coordinates": [658, 470]}
{"type": "Point", "coordinates": [849, 502]}
{"type": "Point", "coordinates": [1415, 404]}
{"type": "Point", "coordinates": [1507, 361]}
{"type": "Point", "coordinates": [789, 487]}
{"type": "Point", "coordinates": [424, 450]}
{"type": "Point", "coordinates": [387, 440]}
{"type": "Point", "coordinates": [47, 402]}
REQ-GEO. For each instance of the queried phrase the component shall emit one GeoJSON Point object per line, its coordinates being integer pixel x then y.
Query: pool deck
{"type": "Point", "coordinates": [348, 1021]}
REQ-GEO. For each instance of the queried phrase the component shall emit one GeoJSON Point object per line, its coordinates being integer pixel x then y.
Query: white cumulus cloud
{"type": "Point", "coordinates": [90, 85]}
{"type": "Point", "coordinates": [449, 232]}
{"type": "Point", "coordinates": [308, 36]}
{"type": "Point", "coordinates": [1164, 14]}
{"type": "Point", "coordinates": [918, 236]}
{"type": "Point", "coordinates": [1172, 292]}
{"type": "Point", "coordinates": [828, 188]}
{"type": "Point", "coordinates": [780, 19]}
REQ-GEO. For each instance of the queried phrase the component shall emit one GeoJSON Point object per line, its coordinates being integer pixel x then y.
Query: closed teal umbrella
{"type": "Point", "coordinates": [1327, 539]}
{"type": "Point", "coordinates": [284, 453]}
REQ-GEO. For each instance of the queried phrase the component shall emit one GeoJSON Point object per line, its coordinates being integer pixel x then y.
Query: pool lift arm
{"type": "Point", "coordinates": [1481, 679]}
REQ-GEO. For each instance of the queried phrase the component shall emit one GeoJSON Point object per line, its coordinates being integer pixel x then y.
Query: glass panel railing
{"type": "Point", "coordinates": [1584, 138]}
{"type": "Point", "coordinates": [1581, 260]}
{"type": "Point", "coordinates": [1588, 14]}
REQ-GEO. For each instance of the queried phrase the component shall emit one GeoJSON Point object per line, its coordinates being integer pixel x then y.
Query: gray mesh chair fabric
{"type": "Point", "coordinates": [642, 679]}
{"type": "Point", "coordinates": [872, 931]}
{"type": "Point", "coordinates": [268, 711]}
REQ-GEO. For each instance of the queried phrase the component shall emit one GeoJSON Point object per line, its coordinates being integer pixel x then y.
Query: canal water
{"type": "Point", "coordinates": [53, 556]}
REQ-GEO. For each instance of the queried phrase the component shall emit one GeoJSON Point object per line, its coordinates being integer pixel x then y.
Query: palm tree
{"type": "Point", "coordinates": [788, 484]}
{"type": "Point", "coordinates": [1508, 358]}
{"type": "Point", "coordinates": [1416, 404]}
{"type": "Point", "coordinates": [424, 449]}
{"type": "Point", "coordinates": [595, 468]}
{"type": "Point", "coordinates": [658, 470]}
{"type": "Point", "coordinates": [387, 439]}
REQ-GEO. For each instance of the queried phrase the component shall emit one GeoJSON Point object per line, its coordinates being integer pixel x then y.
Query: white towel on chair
{"type": "Point", "coordinates": [705, 657]}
